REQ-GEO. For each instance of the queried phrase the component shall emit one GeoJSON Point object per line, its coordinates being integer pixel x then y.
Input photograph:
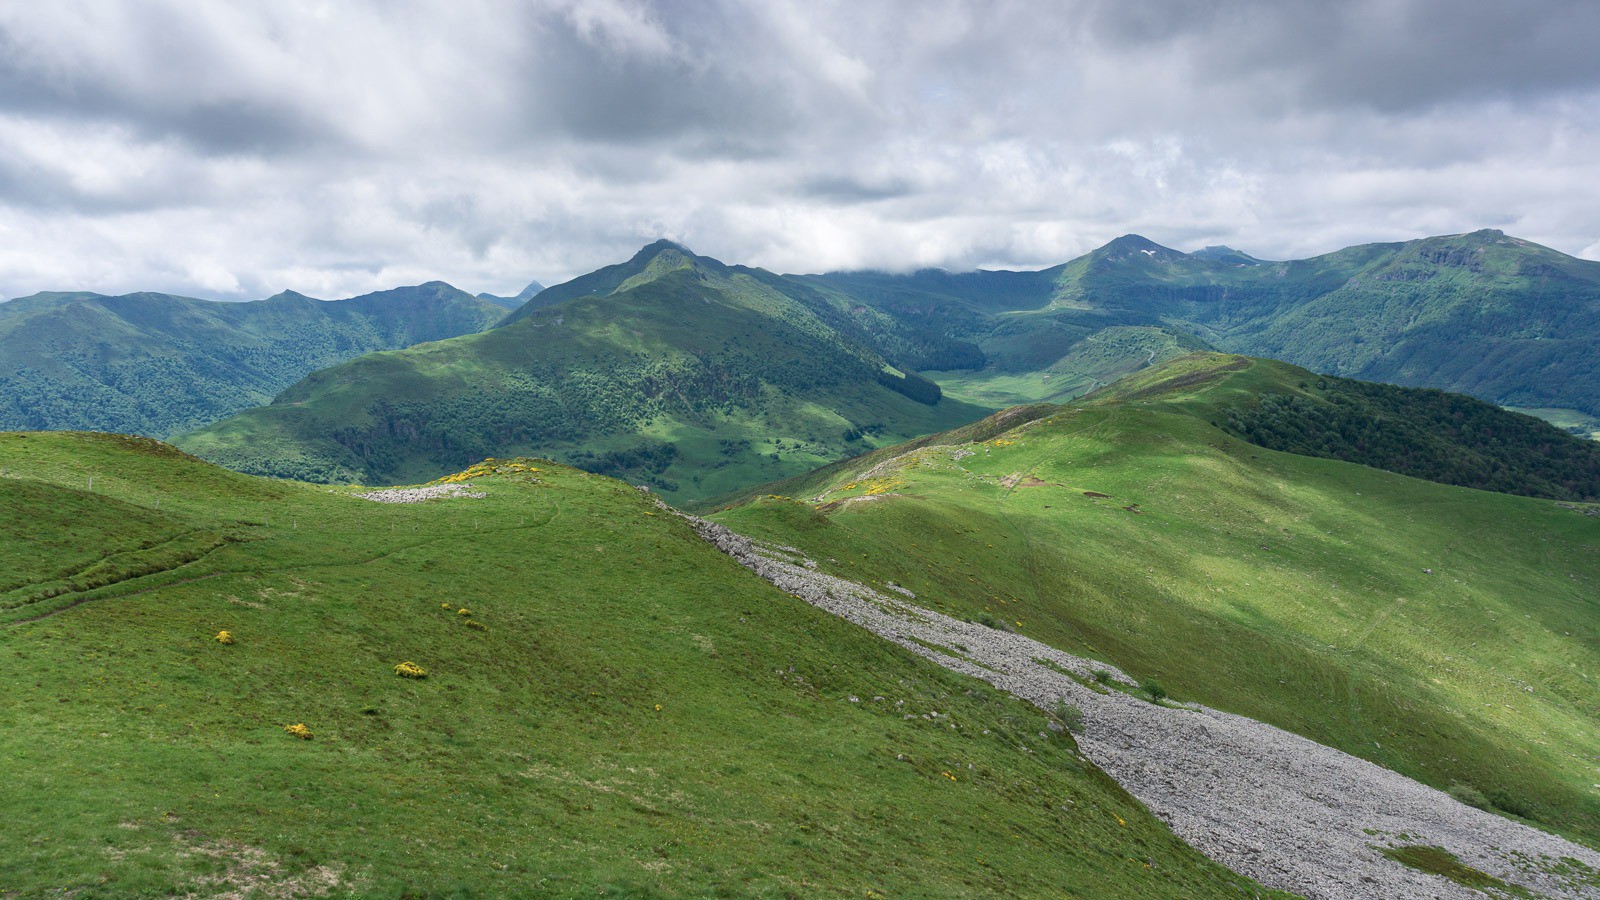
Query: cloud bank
{"type": "Point", "coordinates": [233, 150]}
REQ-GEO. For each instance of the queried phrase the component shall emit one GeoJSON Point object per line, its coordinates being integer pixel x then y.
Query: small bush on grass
{"type": "Point", "coordinates": [410, 670]}
{"type": "Point", "coordinates": [1152, 690]}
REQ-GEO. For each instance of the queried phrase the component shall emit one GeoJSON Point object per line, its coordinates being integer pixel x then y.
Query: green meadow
{"type": "Point", "coordinates": [631, 715]}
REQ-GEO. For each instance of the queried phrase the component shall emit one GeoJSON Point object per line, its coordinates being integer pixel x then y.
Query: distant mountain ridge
{"type": "Point", "coordinates": [517, 299]}
{"type": "Point", "coordinates": [155, 364]}
{"type": "Point", "coordinates": [1485, 314]}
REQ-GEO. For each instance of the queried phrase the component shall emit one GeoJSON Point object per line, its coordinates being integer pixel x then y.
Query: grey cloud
{"type": "Point", "coordinates": [1390, 55]}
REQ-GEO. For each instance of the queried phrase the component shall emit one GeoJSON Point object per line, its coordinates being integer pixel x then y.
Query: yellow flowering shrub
{"type": "Point", "coordinates": [299, 730]}
{"type": "Point", "coordinates": [224, 637]}
{"type": "Point", "coordinates": [513, 467]}
{"type": "Point", "coordinates": [874, 486]}
{"type": "Point", "coordinates": [410, 670]}
{"type": "Point", "coordinates": [472, 624]}
{"type": "Point", "coordinates": [463, 611]}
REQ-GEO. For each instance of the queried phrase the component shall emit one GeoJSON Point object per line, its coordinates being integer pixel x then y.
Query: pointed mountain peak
{"type": "Point", "coordinates": [533, 290]}
{"type": "Point", "coordinates": [654, 260]}
{"type": "Point", "coordinates": [286, 296]}
{"type": "Point", "coordinates": [1137, 247]}
{"type": "Point", "coordinates": [659, 247]}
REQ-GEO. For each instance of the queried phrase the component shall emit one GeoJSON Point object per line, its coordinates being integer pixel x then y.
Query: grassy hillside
{"type": "Point", "coordinates": [1484, 314]}
{"type": "Point", "coordinates": [1450, 634]}
{"type": "Point", "coordinates": [157, 364]}
{"type": "Point", "coordinates": [636, 716]}
{"type": "Point", "coordinates": [672, 370]}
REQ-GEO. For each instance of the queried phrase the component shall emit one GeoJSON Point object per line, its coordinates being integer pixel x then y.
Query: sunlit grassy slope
{"type": "Point", "coordinates": [1450, 634]}
{"type": "Point", "coordinates": [638, 715]}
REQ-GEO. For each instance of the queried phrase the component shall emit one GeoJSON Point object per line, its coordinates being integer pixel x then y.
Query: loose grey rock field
{"type": "Point", "coordinates": [1289, 812]}
{"type": "Point", "coordinates": [422, 494]}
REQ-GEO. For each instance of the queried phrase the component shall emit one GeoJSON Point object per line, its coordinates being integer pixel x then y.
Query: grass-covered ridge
{"type": "Point", "coordinates": [1450, 634]}
{"type": "Point", "coordinates": [638, 715]}
{"type": "Point", "coordinates": [1425, 433]}
{"type": "Point", "coordinates": [671, 370]}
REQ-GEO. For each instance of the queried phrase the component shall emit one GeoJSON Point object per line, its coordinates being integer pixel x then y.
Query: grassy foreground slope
{"type": "Point", "coordinates": [1450, 634]}
{"type": "Point", "coordinates": [671, 369]}
{"type": "Point", "coordinates": [637, 716]}
{"type": "Point", "coordinates": [158, 364]}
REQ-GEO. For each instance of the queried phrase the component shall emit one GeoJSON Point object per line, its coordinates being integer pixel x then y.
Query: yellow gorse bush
{"type": "Point", "coordinates": [224, 637]}
{"type": "Point", "coordinates": [463, 611]}
{"type": "Point", "coordinates": [875, 486]}
{"type": "Point", "coordinates": [410, 670]}
{"type": "Point", "coordinates": [489, 467]}
{"type": "Point", "coordinates": [478, 625]}
{"type": "Point", "coordinates": [299, 730]}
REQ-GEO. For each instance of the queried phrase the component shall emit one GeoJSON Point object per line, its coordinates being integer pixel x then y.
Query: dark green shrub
{"type": "Point", "coordinates": [1153, 690]}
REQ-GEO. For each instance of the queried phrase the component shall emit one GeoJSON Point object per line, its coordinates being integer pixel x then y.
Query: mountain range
{"type": "Point", "coordinates": [661, 369]}
{"type": "Point", "coordinates": [1485, 314]}
{"type": "Point", "coordinates": [699, 378]}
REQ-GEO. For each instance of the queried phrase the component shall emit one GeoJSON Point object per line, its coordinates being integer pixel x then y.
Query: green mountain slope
{"type": "Point", "coordinates": [671, 369]}
{"type": "Point", "coordinates": [1424, 433]}
{"type": "Point", "coordinates": [157, 364]}
{"type": "Point", "coordinates": [1450, 634]}
{"type": "Point", "coordinates": [637, 715]}
{"type": "Point", "coordinates": [1484, 314]}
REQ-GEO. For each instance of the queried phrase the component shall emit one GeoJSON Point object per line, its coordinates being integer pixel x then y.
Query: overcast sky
{"type": "Point", "coordinates": [234, 150]}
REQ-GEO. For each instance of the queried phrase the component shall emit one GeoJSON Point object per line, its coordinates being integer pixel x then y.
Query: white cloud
{"type": "Point", "coordinates": [243, 148]}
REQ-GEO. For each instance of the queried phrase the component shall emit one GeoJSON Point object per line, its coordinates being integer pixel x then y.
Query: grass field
{"type": "Point", "coordinates": [1452, 635]}
{"type": "Point", "coordinates": [638, 716]}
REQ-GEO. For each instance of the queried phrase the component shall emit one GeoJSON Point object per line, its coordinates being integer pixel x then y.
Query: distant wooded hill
{"type": "Point", "coordinates": [155, 364]}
